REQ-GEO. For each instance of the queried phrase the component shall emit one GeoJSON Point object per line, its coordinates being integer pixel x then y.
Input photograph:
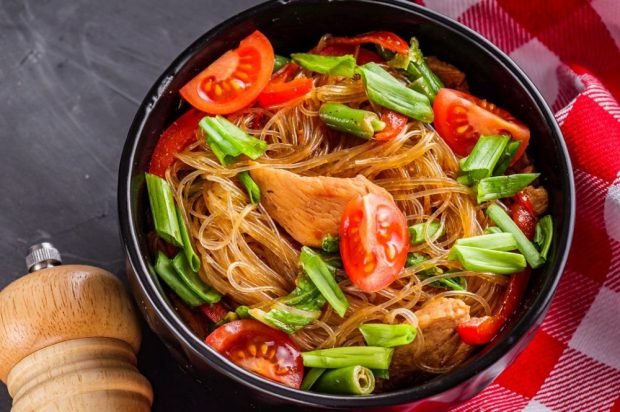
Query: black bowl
{"type": "Point", "coordinates": [297, 25]}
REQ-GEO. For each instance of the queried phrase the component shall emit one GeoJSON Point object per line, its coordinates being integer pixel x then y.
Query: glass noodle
{"type": "Point", "coordinates": [247, 257]}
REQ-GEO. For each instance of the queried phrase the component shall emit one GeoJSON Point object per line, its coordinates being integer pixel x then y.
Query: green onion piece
{"type": "Point", "coordinates": [243, 312]}
{"type": "Point", "coordinates": [485, 260]}
{"type": "Point", "coordinates": [416, 232]}
{"type": "Point", "coordinates": [188, 248]}
{"type": "Point", "coordinates": [497, 187]}
{"type": "Point", "coordinates": [163, 209]}
{"type": "Point", "coordinates": [465, 180]}
{"type": "Point", "coordinates": [482, 160]}
{"type": "Point", "coordinates": [450, 283]}
{"type": "Point", "coordinates": [286, 318]}
{"type": "Point", "coordinates": [228, 142]}
{"type": "Point", "coordinates": [373, 357]}
{"type": "Point", "coordinates": [360, 123]}
{"type": "Point", "coordinates": [506, 158]}
{"type": "Point", "coordinates": [250, 186]}
{"type": "Point", "coordinates": [165, 270]}
{"type": "Point", "coordinates": [311, 377]}
{"type": "Point", "coordinates": [384, 90]}
{"type": "Point", "coordinates": [334, 261]}
{"type": "Point", "coordinates": [492, 229]}
{"type": "Point", "coordinates": [352, 380]}
{"type": "Point", "coordinates": [496, 241]}
{"type": "Point", "coordinates": [381, 373]}
{"type": "Point", "coordinates": [543, 235]}
{"type": "Point", "coordinates": [504, 222]}
{"type": "Point", "coordinates": [414, 259]}
{"type": "Point", "coordinates": [279, 62]}
{"type": "Point", "coordinates": [331, 65]}
{"type": "Point", "coordinates": [330, 244]}
{"type": "Point", "coordinates": [421, 85]}
{"type": "Point", "coordinates": [388, 336]}
{"type": "Point", "coordinates": [193, 281]}
{"type": "Point", "coordinates": [318, 271]}
{"type": "Point", "coordinates": [305, 296]}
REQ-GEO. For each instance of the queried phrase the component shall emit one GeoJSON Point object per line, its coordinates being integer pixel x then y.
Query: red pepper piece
{"type": "Point", "coordinates": [362, 56]}
{"type": "Point", "coordinates": [478, 331]}
{"type": "Point", "coordinates": [174, 139]}
{"type": "Point", "coordinates": [214, 311]}
{"type": "Point", "coordinates": [385, 39]}
{"type": "Point", "coordinates": [394, 124]}
{"type": "Point", "coordinates": [280, 90]}
{"type": "Point", "coordinates": [523, 214]}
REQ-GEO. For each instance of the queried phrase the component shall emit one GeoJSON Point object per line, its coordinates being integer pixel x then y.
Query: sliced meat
{"type": "Point", "coordinates": [538, 197]}
{"type": "Point", "coordinates": [442, 346]}
{"type": "Point", "coordinates": [309, 208]}
{"type": "Point", "coordinates": [447, 73]}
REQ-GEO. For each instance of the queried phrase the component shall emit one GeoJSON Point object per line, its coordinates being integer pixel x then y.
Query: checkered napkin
{"type": "Point", "coordinates": [570, 49]}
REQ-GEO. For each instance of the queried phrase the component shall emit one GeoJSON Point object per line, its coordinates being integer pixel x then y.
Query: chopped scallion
{"type": "Point", "coordinates": [497, 187]}
{"type": "Point", "coordinates": [388, 336]}
{"type": "Point", "coordinates": [432, 229]}
{"type": "Point", "coordinates": [486, 260]}
{"type": "Point", "coordinates": [163, 209]}
{"type": "Point", "coordinates": [352, 380]}
{"type": "Point", "coordinates": [482, 160]}
{"type": "Point", "coordinates": [250, 186]}
{"type": "Point", "coordinates": [360, 123]}
{"type": "Point", "coordinates": [311, 377]}
{"type": "Point", "coordinates": [330, 244]}
{"type": "Point", "coordinates": [496, 241]}
{"type": "Point", "coordinates": [505, 222]}
{"type": "Point", "coordinates": [504, 161]}
{"type": "Point", "coordinates": [318, 271]}
{"type": "Point", "coordinates": [543, 235]}
{"type": "Point", "coordinates": [188, 247]}
{"type": "Point", "coordinates": [279, 62]}
{"type": "Point", "coordinates": [192, 280]}
{"type": "Point", "coordinates": [165, 270]}
{"type": "Point", "coordinates": [227, 141]}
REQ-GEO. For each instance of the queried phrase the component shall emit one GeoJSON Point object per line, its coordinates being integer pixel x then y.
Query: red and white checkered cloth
{"type": "Point", "coordinates": [570, 49]}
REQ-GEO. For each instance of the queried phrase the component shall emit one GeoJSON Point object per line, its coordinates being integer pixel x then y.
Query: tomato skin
{"type": "Point", "coordinates": [259, 349]}
{"type": "Point", "coordinates": [385, 39]}
{"type": "Point", "coordinates": [523, 215]}
{"type": "Point", "coordinates": [362, 56]}
{"type": "Point", "coordinates": [173, 140]}
{"type": "Point", "coordinates": [374, 241]}
{"type": "Point", "coordinates": [460, 119]}
{"type": "Point", "coordinates": [235, 79]}
{"type": "Point", "coordinates": [395, 123]}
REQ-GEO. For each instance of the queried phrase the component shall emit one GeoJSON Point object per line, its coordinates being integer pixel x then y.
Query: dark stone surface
{"type": "Point", "coordinates": [72, 74]}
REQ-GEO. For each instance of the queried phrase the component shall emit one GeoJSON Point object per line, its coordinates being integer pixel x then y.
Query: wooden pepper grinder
{"type": "Point", "coordinates": [68, 340]}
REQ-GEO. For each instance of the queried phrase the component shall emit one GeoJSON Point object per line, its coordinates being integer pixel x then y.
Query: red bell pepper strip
{"type": "Point", "coordinates": [394, 124]}
{"type": "Point", "coordinates": [523, 214]}
{"type": "Point", "coordinates": [385, 39]}
{"type": "Point", "coordinates": [362, 56]}
{"type": "Point", "coordinates": [479, 331]}
{"type": "Point", "coordinates": [214, 311]}
{"type": "Point", "coordinates": [280, 90]}
{"type": "Point", "coordinates": [174, 139]}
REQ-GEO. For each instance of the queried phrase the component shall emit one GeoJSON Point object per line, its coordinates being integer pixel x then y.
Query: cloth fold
{"type": "Point", "coordinates": [570, 49]}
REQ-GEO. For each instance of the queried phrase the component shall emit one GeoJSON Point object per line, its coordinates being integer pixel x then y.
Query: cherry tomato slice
{"type": "Point", "coordinates": [395, 123]}
{"type": "Point", "coordinates": [374, 241]}
{"type": "Point", "coordinates": [385, 39]}
{"type": "Point", "coordinates": [235, 80]}
{"type": "Point", "coordinates": [279, 90]}
{"type": "Point", "coordinates": [174, 139]}
{"type": "Point", "coordinates": [258, 348]}
{"type": "Point", "coordinates": [362, 56]}
{"type": "Point", "coordinates": [523, 214]}
{"type": "Point", "coordinates": [461, 118]}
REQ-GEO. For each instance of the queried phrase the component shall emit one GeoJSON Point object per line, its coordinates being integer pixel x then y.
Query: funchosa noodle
{"type": "Point", "coordinates": [246, 256]}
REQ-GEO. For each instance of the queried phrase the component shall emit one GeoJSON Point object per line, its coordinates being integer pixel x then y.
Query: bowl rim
{"type": "Point", "coordinates": [433, 387]}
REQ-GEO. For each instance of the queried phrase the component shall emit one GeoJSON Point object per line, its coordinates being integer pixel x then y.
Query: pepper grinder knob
{"type": "Point", "coordinates": [69, 337]}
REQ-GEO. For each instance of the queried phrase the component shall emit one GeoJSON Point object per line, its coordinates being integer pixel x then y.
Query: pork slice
{"type": "Point", "coordinates": [449, 75]}
{"type": "Point", "coordinates": [538, 197]}
{"type": "Point", "coordinates": [437, 320]}
{"type": "Point", "coordinates": [309, 208]}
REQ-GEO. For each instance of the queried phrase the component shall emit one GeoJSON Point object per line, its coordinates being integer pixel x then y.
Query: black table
{"type": "Point", "coordinates": [71, 77]}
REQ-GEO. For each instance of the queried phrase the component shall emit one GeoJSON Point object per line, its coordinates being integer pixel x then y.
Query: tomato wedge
{"type": "Point", "coordinates": [461, 118]}
{"type": "Point", "coordinates": [394, 124]}
{"type": "Point", "coordinates": [279, 90]}
{"type": "Point", "coordinates": [385, 39]}
{"type": "Point", "coordinates": [258, 348]}
{"type": "Point", "coordinates": [174, 139]}
{"type": "Point", "coordinates": [235, 80]}
{"type": "Point", "coordinates": [362, 56]}
{"type": "Point", "coordinates": [374, 241]}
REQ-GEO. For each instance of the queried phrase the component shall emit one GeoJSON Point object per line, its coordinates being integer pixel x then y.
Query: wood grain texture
{"type": "Point", "coordinates": [88, 374]}
{"type": "Point", "coordinates": [60, 304]}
